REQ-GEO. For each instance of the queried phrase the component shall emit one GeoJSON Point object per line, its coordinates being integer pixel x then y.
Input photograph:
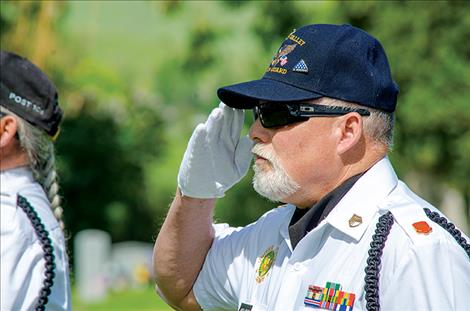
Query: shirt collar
{"type": "Point", "coordinates": [363, 199]}
{"type": "Point", "coordinates": [304, 220]}
{"type": "Point", "coordinates": [12, 180]}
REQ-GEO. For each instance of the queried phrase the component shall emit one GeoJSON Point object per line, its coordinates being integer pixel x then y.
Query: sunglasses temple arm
{"type": "Point", "coordinates": [332, 111]}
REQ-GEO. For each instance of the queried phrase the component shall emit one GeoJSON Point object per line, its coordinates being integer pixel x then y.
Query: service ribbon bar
{"type": "Point", "coordinates": [330, 297]}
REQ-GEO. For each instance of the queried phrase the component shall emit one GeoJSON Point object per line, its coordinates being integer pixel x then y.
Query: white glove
{"type": "Point", "coordinates": [216, 157]}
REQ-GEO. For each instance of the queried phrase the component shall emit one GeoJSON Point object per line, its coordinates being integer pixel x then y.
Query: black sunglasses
{"type": "Point", "coordinates": [279, 114]}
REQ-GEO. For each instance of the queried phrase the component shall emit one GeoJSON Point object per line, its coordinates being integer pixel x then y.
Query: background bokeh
{"type": "Point", "coordinates": [135, 77]}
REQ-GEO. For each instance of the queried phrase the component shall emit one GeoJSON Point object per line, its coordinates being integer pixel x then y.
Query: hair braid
{"type": "Point", "coordinates": [50, 184]}
{"type": "Point", "coordinates": [40, 150]}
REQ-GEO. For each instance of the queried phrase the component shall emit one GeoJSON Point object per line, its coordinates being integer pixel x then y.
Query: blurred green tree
{"type": "Point", "coordinates": [430, 60]}
{"type": "Point", "coordinates": [102, 165]}
{"type": "Point", "coordinates": [138, 76]}
{"type": "Point", "coordinates": [110, 131]}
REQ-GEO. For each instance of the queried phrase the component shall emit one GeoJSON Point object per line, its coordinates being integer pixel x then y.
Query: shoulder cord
{"type": "Point", "coordinates": [382, 230]}
{"type": "Point", "coordinates": [372, 269]}
{"type": "Point", "coordinates": [449, 227]}
{"type": "Point", "coordinates": [46, 244]}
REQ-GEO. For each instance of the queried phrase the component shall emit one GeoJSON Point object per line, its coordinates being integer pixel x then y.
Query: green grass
{"type": "Point", "coordinates": [129, 300]}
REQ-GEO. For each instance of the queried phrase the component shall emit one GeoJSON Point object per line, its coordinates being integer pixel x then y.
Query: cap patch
{"type": "Point", "coordinates": [296, 39]}
{"type": "Point", "coordinates": [281, 59]}
{"type": "Point", "coordinates": [283, 52]}
{"type": "Point", "coordinates": [301, 67]}
{"type": "Point", "coordinates": [280, 70]}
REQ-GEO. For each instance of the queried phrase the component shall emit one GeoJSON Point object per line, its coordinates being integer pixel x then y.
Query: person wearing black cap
{"type": "Point", "coordinates": [351, 236]}
{"type": "Point", "coordinates": [34, 271]}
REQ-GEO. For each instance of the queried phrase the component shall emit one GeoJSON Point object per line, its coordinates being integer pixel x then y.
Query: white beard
{"type": "Point", "coordinates": [272, 183]}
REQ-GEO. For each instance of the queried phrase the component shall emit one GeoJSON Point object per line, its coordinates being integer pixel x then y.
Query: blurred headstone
{"type": "Point", "coordinates": [453, 205]}
{"type": "Point", "coordinates": [447, 199]}
{"type": "Point", "coordinates": [130, 264]}
{"type": "Point", "coordinates": [92, 251]}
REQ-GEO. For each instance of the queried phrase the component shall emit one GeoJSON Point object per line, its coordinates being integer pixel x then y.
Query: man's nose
{"type": "Point", "coordinates": [258, 133]}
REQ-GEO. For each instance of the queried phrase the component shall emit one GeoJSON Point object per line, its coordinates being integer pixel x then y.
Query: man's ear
{"type": "Point", "coordinates": [8, 130]}
{"type": "Point", "coordinates": [349, 132]}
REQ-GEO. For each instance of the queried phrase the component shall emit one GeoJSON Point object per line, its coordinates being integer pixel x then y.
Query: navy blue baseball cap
{"type": "Point", "coordinates": [341, 62]}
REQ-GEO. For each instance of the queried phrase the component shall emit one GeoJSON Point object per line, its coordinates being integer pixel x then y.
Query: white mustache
{"type": "Point", "coordinates": [262, 151]}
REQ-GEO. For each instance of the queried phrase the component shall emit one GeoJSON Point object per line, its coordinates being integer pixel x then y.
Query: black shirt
{"type": "Point", "coordinates": [304, 220]}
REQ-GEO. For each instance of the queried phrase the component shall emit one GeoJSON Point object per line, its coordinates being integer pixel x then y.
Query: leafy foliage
{"type": "Point", "coordinates": [136, 77]}
{"type": "Point", "coordinates": [102, 170]}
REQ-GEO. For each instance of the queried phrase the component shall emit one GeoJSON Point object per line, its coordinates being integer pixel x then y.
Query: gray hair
{"type": "Point", "coordinates": [40, 150]}
{"type": "Point", "coordinates": [378, 126]}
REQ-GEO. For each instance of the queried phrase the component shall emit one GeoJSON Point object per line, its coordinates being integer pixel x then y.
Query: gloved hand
{"type": "Point", "coordinates": [216, 157]}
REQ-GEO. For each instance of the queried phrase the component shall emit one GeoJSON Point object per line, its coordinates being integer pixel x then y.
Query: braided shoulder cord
{"type": "Point", "coordinates": [382, 230]}
{"type": "Point", "coordinates": [372, 269]}
{"type": "Point", "coordinates": [449, 227]}
{"type": "Point", "coordinates": [46, 244]}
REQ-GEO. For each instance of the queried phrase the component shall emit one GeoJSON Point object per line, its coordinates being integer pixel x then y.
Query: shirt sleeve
{"type": "Point", "coordinates": [433, 276]}
{"type": "Point", "coordinates": [229, 268]}
{"type": "Point", "coordinates": [217, 283]}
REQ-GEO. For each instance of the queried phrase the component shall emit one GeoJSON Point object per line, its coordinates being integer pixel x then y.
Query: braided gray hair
{"type": "Point", "coordinates": [40, 150]}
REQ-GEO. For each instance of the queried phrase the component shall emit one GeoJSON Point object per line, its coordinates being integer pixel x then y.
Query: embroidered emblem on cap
{"type": "Point", "coordinates": [283, 52]}
{"type": "Point", "coordinates": [283, 60]}
{"type": "Point", "coordinates": [422, 227]}
{"type": "Point", "coordinates": [301, 67]}
{"type": "Point", "coordinates": [265, 262]}
{"type": "Point", "coordinates": [355, 220]}
{"type": "Point", "coordinates": [330, 297]}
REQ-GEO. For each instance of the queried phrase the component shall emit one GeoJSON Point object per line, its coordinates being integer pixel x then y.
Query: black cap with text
{"type": "Point", "coordinates": [27, 92]}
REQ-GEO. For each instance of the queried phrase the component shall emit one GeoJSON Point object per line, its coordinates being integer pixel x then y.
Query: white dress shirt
{"type": "Point", "coordinates": [22, 257]}
{"type": "Point", "coordinates": [419, 271]}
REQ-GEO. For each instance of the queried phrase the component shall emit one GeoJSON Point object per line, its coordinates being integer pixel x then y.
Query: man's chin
{"type": "Point", "coordinates": [272, 185]}
{"type": "Point", "coordinates": [262, 165]}
{"type": "Point", "coordinates": [265, 188]}
{"type": "Point", "coordinates": [268, 197]}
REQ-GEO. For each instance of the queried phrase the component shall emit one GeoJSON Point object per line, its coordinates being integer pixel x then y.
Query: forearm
{"type": "Point", "coordinates": [181, 246]}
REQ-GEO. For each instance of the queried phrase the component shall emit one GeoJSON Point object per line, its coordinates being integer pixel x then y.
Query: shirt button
{"type": "Point", "coordinates": [297, 266]}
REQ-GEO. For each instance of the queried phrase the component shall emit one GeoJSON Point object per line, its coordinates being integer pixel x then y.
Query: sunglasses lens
{"type": "Point", "coordinates": [275, 115]}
